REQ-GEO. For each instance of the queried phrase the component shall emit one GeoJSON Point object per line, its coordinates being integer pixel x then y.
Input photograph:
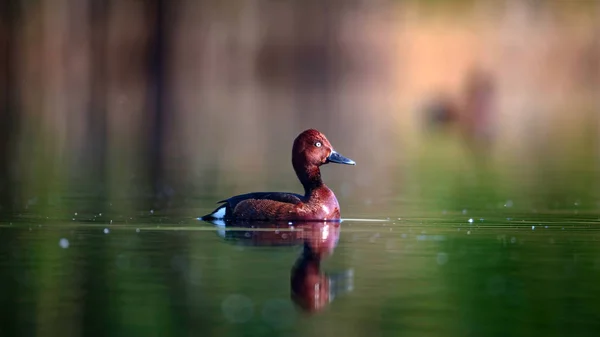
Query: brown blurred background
{"type": "Point", "coordinates": [152, 102]}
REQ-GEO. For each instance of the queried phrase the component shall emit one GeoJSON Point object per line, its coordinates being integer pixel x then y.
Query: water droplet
{"type": "Point", "coordinates": [63, 243]}
{"type": "Point", "coordinates": [151, 211]}
{"type": "Point", "coordinates": [508, 203]}
{"type": "Point", "coordinates": [532, 228]}
{"type": "Point", "coordinates": [470, 220]}
{"type": "Point", "coordinates": [75, 214]}
{"type": "Point", "coordinates": [137, 230]}
{"type": "Point", "coordinates": [289, 223]}
{"type": "Point", "coordinates": [468, 232]}
{"type": "Point", "coordinates": [106, 231]}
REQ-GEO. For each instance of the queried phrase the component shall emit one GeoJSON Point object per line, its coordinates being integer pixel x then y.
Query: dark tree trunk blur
{"type": "Point", "coordinates": [157, 101]}
{"type": "Point", "coordinates": [94, 307]}
{"type": "Point", "coordinates": [9, 16]}
{"type": "Point", "coordinates": [97, 127]}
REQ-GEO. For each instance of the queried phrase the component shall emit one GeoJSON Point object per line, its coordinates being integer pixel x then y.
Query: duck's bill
{"type": "Point", "coordinates": [335, 157]}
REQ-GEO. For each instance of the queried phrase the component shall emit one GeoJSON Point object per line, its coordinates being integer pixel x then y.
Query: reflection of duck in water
{"type": "Point", "coordinates": [311, 289]}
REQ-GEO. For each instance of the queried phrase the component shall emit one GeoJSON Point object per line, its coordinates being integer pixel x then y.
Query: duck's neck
{"type": "Point", "coordinates": [310, 177]}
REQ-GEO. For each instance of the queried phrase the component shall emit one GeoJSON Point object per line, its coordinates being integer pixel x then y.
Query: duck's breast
{"type": "Point", "coordinates": [324, 204]}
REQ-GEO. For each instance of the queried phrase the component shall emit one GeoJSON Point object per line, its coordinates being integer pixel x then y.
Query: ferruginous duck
{"type": "Point", "coordinates": [311, 150]}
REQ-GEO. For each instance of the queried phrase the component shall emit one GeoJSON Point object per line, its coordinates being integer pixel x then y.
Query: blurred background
{"type": "Point", "coordinates": [160, 104]}
{"type": "Point", "coordinates": [121, 121]}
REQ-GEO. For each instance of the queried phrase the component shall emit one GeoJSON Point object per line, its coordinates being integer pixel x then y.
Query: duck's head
{"type": "Point", "coordinates": [311, 148]}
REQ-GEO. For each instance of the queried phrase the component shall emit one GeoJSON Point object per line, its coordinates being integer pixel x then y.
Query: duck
{"type": "Point", "coordinates": [310, 150]}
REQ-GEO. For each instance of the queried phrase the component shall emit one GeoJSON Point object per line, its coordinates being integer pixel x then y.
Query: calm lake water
{"type": "Point", "coordinates": [434, 273]}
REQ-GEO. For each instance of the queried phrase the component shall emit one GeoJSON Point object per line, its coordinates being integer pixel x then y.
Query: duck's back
{"type": "Point", "coordinates": [289, 198]}
{"type": "Point", "coordinates": [258, 206]}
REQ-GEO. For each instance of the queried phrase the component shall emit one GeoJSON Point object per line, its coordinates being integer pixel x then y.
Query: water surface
{"type": "Point", "coordinates": [443, 273]}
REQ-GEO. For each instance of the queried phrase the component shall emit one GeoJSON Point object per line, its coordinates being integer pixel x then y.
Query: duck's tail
{"type": "Point", "coordinates": [218, 214]}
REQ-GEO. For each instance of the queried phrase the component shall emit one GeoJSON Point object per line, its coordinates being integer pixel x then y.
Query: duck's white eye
{"type": "Point", "coordinates": [318, 144]}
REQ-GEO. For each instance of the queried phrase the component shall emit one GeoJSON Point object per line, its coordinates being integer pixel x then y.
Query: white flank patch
{"type": "Point", "coordinates": [219, 213]}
